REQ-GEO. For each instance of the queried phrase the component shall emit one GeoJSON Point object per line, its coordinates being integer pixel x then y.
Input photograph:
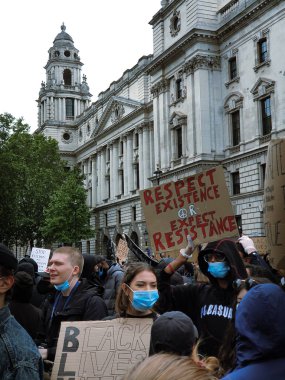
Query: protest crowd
{"type": "Point", "coordinates": [227, 325]}
{"type": "Point", "coordinates": [205, 306]}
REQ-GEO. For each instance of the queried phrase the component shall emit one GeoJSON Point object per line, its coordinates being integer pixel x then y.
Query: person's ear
{"type": "Point", "coordinates": [125, 289]}
{"type": "Point", "coordinates": [76, 270]}
{"type": "Point", "coordinates": [6, 284]}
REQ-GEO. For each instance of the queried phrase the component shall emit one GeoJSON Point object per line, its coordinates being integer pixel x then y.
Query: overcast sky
{"type": "Point", "coordinates": [111, 35]}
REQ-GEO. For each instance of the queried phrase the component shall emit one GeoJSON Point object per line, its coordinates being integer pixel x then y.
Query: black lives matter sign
{"type": "Point", "coordinates": [100, 350]}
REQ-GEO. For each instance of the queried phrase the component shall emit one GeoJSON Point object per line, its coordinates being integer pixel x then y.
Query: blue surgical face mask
{"type": "Point", "coordinates": [218, 269]}
{"type": "Point", "coordinates": [64, 285]}
{"type": "Point", "coordinates": [144, 299]}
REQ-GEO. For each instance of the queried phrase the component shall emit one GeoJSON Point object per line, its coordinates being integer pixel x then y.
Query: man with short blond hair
{"type": "Point", "coordinates": [74, 299]}
{"type": "Point", "coordinates": [76, 257]}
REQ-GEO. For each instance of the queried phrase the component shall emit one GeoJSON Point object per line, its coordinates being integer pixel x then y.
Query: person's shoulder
{"type": "Point", "coordinates": [21, 339]}
{"type": "Point", "coordinates": [116, 268]}
{"type": "Point", "coordinates": [85, 286]}
{"type": "Point", "coordinates": [94, 299]}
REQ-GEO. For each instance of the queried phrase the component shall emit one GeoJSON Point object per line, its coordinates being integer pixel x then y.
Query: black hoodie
{"type": "Point", "coordinates": [89, 273]}
{"type": "Point", "coordinates": [208, 305]}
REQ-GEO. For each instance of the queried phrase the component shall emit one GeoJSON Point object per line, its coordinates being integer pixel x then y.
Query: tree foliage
{"type": "Point", "coordinates": [35, 186]}
{"type": "Point", "coordinates": [67, 216]}
{"type": "Point", "coordinates": [9, 125]}
{"type": "Point", "coordinates": [30, 169]}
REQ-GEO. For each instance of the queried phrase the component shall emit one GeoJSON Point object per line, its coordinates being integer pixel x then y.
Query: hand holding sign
{"type": "Point", "coordinates": [247, 244]}
{"type": "Point", "coordinates": [187, 252]}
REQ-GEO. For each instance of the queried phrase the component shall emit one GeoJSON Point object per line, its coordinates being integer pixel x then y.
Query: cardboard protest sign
{"type": "Point", "coordinates": [274, 203]}
{"type": "Point", "coordinates": [260, 244]}
{"type": "Point", "coordinates": [41, 257]}
{"type": "Point", "coordinates": [100, 350]}
{"type": "Point", "coordinates": [122, 251]}
{"type": "Point", "coordinates": [198, 205]}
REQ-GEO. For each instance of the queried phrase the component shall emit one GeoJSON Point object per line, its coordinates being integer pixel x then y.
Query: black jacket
{"type": "Point", "coordinates": [27, 315]}
{"type": "Point", "coordinates": [83, 305]}
{"type": "Point", "coordinates": [208, 305]}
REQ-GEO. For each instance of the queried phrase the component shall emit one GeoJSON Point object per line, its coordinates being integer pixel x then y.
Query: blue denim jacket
{"type": "Point", "coordinates": [20, 358]}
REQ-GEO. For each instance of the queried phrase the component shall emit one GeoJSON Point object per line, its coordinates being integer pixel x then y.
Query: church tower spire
{"type": "Point", "coordinates": [65, 94]}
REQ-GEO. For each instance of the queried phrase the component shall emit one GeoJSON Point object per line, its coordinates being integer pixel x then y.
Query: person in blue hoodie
{"type": "Point", "coordinates": [112, 275]}
{"type": "Point", "coordinates": [261, 335]}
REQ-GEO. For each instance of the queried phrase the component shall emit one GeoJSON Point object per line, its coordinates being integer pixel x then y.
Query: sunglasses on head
{"type": "Point", "coordinates": [247, 283]}
{"type": "Point", "coordinates": [208, 257]}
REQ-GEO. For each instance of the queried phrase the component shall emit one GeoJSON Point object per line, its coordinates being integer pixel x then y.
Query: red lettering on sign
{"type": "Point", "coordinates": [157, 241]}
{"type": "Point", "coordinates": [169, 241]}
{"type": "Point", "coordinates": [158, 194]}
{"type": "Point", "coordinates": [210, 173]}
{"type": "Point", "coordinates": [168, 190]}
{"type": "Point", "coordinates": [148, 197]}
{"type": "Point", "coordinates": [178, 186]}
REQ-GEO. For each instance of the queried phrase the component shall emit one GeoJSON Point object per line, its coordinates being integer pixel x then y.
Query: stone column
{"type": "Point", "coordinates": [130, 171]}
{"type": "Point", "coordinates": [112, 193]}
{"type": "Point", "coordinates": [102, 175]}
{"type": "Point", "coordinates": [99, 176]}
{"type": "Point", "coordinates": [115, 166]}
{"type": "Point", "coordinates": [161, 133]}
{"type": "Point", "coordinates": [59, 105]}
{"type": "Point", "coordinates": [94, 180]}
{"type": "Point", "coordinates": [63, 110]}
{"type": "Point", "coordinates": [125, 166]}
{"type": "Point", "coordinates": [143, 155]}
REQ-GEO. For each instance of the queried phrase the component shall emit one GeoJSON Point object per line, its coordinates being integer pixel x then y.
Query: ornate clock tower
{"type": "Point", "coordinates": [64, 95]}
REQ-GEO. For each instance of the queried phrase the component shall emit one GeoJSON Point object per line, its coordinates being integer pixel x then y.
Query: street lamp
{"type": "Point", "coordinates": [157, 174]}
{"type": "Point", "coordinates": [145, 235]}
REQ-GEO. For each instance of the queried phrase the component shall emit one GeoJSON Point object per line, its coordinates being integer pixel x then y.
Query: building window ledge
{"type": "Point", "coordinates": [234, 149]}
{"type": "Point", "coordinates": [234, 80]}
{"type": "Point", "coordinates": [262, 64]}
{"type": "Point", "coordinates": [265, 138]}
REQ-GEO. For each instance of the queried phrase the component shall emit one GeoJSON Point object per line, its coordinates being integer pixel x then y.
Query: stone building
{"type": "Point", "coordinates": [212, 93]}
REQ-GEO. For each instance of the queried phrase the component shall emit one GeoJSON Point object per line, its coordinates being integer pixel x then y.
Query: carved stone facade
{"type": "Point", "coordinates": [212, 93]}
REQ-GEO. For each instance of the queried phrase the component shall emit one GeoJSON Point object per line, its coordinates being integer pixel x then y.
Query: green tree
{"type": "Point", "coordinates": [9, 125]}
{"type": "Point", "coordinates": [31, 169]}
{"type": "Point", "coordinates": [67, 216]}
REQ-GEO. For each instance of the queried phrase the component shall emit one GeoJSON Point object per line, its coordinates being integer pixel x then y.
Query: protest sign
{"type": "Point", "coordinates": [274, 203]}
{"type": "Point", "coordinates": [100, 350]}
{"type": "Point", "coordinates": [198, 205]}
{"type": "Point", "coordinates": [260, 244]}
{"type": "Point", "coordinates": [41, 257]}
{"type": "Point", "coordinates": [122, 251]}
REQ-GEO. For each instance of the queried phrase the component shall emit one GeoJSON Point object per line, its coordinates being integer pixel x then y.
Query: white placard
{"type": "Point", "coordinates": [41, 257]}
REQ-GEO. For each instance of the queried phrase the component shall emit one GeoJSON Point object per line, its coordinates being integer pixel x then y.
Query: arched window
{"type": "Point", "coordinates": [263, 94]}
{"type": "Point", "coordinates": [233, 106]}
